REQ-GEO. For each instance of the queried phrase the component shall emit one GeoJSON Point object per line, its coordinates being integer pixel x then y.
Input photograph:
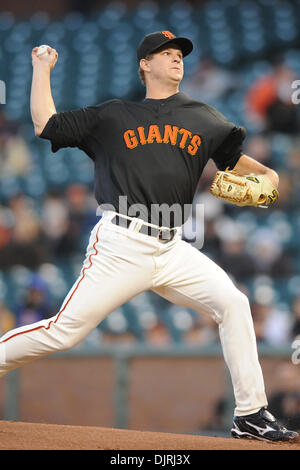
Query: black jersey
{"type": "Point", "coordinates": [148, 154]}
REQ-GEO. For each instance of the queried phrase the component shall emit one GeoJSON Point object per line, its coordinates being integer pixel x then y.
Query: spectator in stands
{"type": "Point", "coordinates": [82, 216]}
{"type": "Point", "coordinates": [67, 218]}
{"type": "Point", "coordinates": [285, 401]}
{"type": "Point", "coordinates": [15, 156]}
{"type": "Point", "coordinates": [35, 305]}
{"type": "Point", "coordinates": [212, 242]}
{"type": "Point", "coordinates": [203, 332]}
{"type": "Point", "coordinates": [233, 257]}
{"type": "Point", "coordinates": [287, 190]}
{"type": "Point", "coordinates": [272, 326]}
{"type": "Point", "coordinates": [210, 82]}
{"type": "Point", "coordinates": [55, 220]}
{"type": "Point", "coordinates": [158, 334]}
{"type": "Point", "coordinates": [293, 157]}
{"type": "Point", "coordinates": [7, 318]}
{"type": "Point", "coordinates": [269, 104]}
{"type": "Point", "coordinates": [268, 254]}
{"type": "Point", "coordinates": [260, 146]}
{"type": "Point", "coordinates": [260, 314]}
{"type": "Point", "coordinates": [295, 327]}
{"type": "Point", "coordinates": [27, 244]}
{"type": "Point", "coordinates": [157, 331]}
{"type": "Point", "coordinates": [6, 225]}
{"type": "Point", "coordinates": [292, 186]}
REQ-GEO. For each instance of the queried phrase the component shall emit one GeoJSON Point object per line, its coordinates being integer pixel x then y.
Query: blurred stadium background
{"type": "Point", "coordinates": [169, 369]}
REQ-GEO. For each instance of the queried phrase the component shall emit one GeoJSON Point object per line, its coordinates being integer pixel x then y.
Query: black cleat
{"type": "Point", "coordinates": [262, 426]}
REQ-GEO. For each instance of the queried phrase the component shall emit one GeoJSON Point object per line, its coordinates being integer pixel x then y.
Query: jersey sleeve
{"type": "Point", "coordinates": [230, 150]}
{"type": "Point", "coordinates": [70, 128]}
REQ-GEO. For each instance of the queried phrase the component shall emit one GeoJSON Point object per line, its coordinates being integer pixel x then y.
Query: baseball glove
{"type": "Point", "coordinates": [248, 190]}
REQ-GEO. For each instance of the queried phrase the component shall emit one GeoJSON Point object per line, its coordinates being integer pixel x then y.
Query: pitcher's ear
{"type": "Point", "coordinates": [144, 64]}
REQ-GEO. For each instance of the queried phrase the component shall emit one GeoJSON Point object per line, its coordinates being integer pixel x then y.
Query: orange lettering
{"type": "Point", "coordinates": [194, 144]}
{"type": "Point", "coordinates": [133, 138]}
{"type": "Point", "coordinates": [154, 134]}
{"type": "Point", "coordinates": [168, 34]}
{"type": "Point", "coordinates": [130, 139]}
{"type": "Point", "coordinates": [142, 137]}
{"type": "Point", "coordinates": [170, 134]}
{"type": "Point", "coordinates": [185, 134]}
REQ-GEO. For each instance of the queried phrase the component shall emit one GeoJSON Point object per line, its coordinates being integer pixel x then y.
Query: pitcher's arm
{"type": "Point", "coordinates": [247, 165]}
{"type": "Point", "coordinates": [42, 106]}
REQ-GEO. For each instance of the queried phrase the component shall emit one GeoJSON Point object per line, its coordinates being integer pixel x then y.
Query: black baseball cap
{"type": "Point", "coordinates": [155, 41]}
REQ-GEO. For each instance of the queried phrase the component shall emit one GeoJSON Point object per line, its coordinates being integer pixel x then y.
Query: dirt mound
{"type": "Point", "coordinates": [36, 436]}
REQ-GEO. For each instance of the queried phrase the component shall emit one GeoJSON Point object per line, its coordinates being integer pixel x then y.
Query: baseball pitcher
{"type": "Point", "coordinates": [151, 154]}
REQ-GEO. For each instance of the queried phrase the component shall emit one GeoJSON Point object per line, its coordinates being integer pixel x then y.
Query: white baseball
{"type": "Point", "coordinates": [42, 50]}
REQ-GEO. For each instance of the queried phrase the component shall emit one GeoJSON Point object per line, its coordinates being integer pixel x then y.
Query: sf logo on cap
{"type": "Point", "coordinates": [168, 34]}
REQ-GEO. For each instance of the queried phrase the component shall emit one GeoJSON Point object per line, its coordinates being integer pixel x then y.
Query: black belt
{"type": "Point", "coordinates": [164, 235]}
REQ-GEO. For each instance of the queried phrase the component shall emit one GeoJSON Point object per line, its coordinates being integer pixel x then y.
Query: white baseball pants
{"type": "Point", "coordinates": [121, 263]}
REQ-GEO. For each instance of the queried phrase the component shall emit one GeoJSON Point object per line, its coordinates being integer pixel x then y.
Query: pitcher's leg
{"type": "Point", "coordinates": [106, 282]}
{"type": "Point", "coordinates": [193, 280]}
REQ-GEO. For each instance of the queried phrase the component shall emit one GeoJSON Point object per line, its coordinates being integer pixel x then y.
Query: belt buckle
{"type": "Point", "coordinates": [171, 234]}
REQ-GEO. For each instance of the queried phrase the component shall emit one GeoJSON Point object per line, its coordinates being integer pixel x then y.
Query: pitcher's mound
{"type": "Point", "coordinates": [36, 436]}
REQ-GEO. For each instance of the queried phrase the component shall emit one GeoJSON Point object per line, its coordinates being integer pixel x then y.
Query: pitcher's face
{"type": "Point", "coordinates": [166, 64]}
